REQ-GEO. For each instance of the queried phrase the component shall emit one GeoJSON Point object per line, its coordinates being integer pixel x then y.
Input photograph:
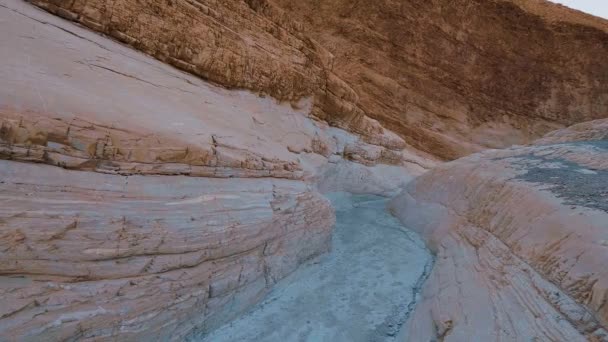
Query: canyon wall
{"type": "Point", "coordinates": [453, 77]}
{"type": "Point", "coordinates": [449, 77]}
{"type": "Point", "coordinates": [238, 44]}
{"type": "Point", "coordinates": [521, 237]}
{"type": "Point", "coordinates": [142, 203]}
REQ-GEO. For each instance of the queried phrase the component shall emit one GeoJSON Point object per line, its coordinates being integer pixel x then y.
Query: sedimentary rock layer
{"type": "Point", "coordinates": [520, 237]}
{"type": "Point", "coordinates": [238, 44]}
{"type": "Point", "coordinates": [139, 202]}
{"type": "Point", "coordinates": [89, 255]}
{"type": "Point", "coordinates": [450, 77]}
{"type": "Point", "coordinates": [595, 130]}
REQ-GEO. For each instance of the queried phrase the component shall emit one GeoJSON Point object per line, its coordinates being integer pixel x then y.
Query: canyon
{"type": "Point", "coordinates": [220, 170]}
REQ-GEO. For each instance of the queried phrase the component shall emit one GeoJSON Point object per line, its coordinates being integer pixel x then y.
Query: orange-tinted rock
{"type": "Point", "coordinates": [453, 77]}
{"type": "Point", "coordinates": [238, 44]}
{"type": "Point", "coordinates": [450, 77]}
{"type": "Point", "coordinates": [129, 205]}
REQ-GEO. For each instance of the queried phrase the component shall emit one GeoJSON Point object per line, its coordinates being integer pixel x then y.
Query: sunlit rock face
{"type": "Point", "coordinates": [520, 237]}
{"type": "Point", "coordinates": [449, 77]}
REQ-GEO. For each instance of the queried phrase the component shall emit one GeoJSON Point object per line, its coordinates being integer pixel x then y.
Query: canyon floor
{"type": "Point", "coordinates": [363, 290]}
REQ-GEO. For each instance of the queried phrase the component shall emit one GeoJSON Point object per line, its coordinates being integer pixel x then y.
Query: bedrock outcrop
{"type": "Point", "coordinates": [449, 77]}
{"type": "Point", "coordinates": [237, 44]}
{"type": "Point", "coordinates": [140, 202]}
{"type": "Point", "coordinates": [520, 237]}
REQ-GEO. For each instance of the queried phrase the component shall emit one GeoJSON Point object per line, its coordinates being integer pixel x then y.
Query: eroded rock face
{"type": "Point", "coordinates": [363, 291]}
{"type": "Point", "coordinates": [453, 77]}
{"type": "Point", "coordinates": [520, 237]}
{"type": "Point", "coordinates": [238, 44]}
{"type": "Point", "coordinates": [139, 202]}
{"type": "Point", "coordinates": [450, 77]}
{"type": "Point", "coordinates": [145, 257]}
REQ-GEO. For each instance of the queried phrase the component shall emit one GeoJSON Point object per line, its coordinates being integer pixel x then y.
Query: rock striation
{"type": "Point", "coordinates": [454, 77]}
{"type": "Point", "coordinates": [449, 77]}
{"type": "Point", "coordinates": [165, 180]}
{"type": "Point", "coordinates": [97, 256]}
{"type": "Point", "coordinates": [596, 130]}
{"type": "Point", "coordinates": [238, 44]}
{"type": "Point", "coordinates": [363, 291]}
{"type": "Point", "coordinates": [520, 237]}
{"type": "Point", "coordinates": [140, 202]}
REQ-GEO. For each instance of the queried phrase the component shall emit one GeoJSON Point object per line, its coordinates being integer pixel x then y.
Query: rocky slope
{"type": "Point", "coordinates": [139, 202]}
{"type": "Point", "coordinates": [450, 77]}
{"type": "Point", "coordinates": [520, 237]}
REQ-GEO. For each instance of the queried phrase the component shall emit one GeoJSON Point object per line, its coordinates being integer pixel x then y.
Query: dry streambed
{"type": "Point", "coordinates": [364, 290]}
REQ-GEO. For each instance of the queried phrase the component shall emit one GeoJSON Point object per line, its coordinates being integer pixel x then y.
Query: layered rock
{"type": "Point", "coordinates": [238, 44]}
{"type": "Point", "coordinates": [596, 130]}
{"type": "Point", "coordinates": [453, 77]}
{"type": "Point", "coordinates": [95, 256]}
{"type": "Point", "coordinates": [450, 77]}
{"type": "Point", "coordinates": [139, 202]}
{"type": "Point", "coordinates": [520, 237]}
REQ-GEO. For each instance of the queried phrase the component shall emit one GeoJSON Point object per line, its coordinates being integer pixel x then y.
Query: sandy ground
{"type": "Point", "coordinates": [363, 291]}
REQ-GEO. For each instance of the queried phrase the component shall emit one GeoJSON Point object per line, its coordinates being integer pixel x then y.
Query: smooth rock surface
{"type": "Point", "coordinates": [587, 131]}
{"type": "Point", "coordinates": [140, 202]}
{"type": "Point", "coordinates": [239, 44]}
{"type": "Point", "coordinates": [520, 237]}
{"type": "Point", "coordinates": [364, 290]}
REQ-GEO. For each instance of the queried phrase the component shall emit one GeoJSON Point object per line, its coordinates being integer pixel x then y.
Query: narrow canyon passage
{"type": "Point", "coordinates": [363, 290]}
{"type": "Point", "coordinates": [185, 170]}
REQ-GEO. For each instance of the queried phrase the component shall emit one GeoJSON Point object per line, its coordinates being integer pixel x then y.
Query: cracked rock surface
{"type": "Point", "coordinates": [138, 202]}
{"type": "Point", "coordinates": [90, 255]}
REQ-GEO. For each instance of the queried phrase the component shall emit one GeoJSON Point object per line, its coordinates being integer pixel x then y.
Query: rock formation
{"type": "Point", "coordinates": [164, 177]}
{"type": "Point", "coordinates": [140, 202]}
{"type": "Point", "coordinates": [450, 77]}
{"type": "Point", "coordinates": [238, 44]}
{"type": "Point", "coordinates": [521, 237]}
